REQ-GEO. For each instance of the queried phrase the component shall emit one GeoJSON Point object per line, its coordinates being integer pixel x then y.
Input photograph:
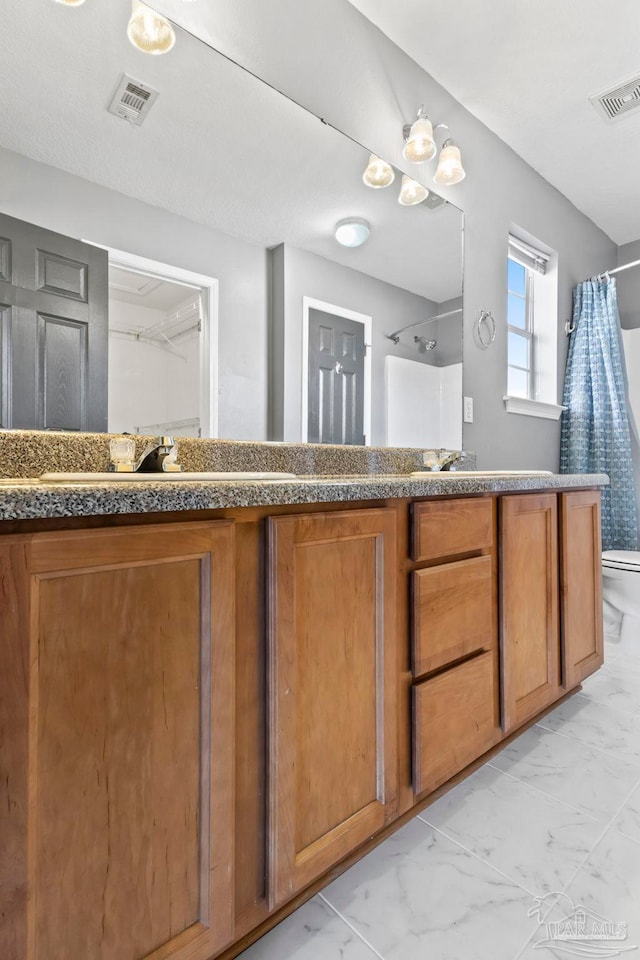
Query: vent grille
{"type": "Point", "coordinates": [132, 100]}
{"type": "Point", "coordinates": [618, 102]}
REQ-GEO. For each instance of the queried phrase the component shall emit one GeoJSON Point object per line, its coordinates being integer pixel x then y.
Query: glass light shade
{"type": "Point", "coordinates": [352, 232]}
{"type": "Point", "coordinates": [378, 174]}
{"type": "Point", "coordinates": [70, 3]}
{"type": "Point", "coordinates": [148, 31]}
{"type": "Point", "coordinates": [450, 170]}
{"type": "Point", "coordinates": [411, 192]}
{"type": "Point", "coordinates": [420, 144]}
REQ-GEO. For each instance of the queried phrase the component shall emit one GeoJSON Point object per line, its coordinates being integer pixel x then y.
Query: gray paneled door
{"type": "Point", "coordinates": [54, 319]}
{"type": "Point", "coordinates": [336, 379]}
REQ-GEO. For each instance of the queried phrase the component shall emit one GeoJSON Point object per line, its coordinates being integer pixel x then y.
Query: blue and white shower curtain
{"type": "Point", "coordinates": [596, 436]}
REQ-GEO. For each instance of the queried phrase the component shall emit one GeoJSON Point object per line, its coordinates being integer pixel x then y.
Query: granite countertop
{"type": "Point", "coordinates": [27, 499]}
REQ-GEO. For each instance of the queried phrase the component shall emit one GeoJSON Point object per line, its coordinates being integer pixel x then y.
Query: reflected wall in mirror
{"type": "Point", "coordinates": [233, 310]}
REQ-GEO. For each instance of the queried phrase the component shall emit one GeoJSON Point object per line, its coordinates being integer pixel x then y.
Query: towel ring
{"type": "Point", "coordinates": [485, 329]}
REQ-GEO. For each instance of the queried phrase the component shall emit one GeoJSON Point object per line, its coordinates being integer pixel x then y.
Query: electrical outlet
{"type": "Point", "coordinates": [468, 410]}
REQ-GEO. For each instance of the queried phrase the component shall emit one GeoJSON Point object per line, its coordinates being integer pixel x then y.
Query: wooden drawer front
{"type": "Point", "coordinates": [449, 527]}
{"type": "Point", "coordinates": [452, 612]}
{"type": "Point", "coordinates": [454, 721]}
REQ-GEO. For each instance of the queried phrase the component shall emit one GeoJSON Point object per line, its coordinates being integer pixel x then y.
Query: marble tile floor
{"type": "Point", "coordinates": [495, 867]}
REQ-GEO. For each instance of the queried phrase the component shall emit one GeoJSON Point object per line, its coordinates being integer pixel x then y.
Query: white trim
{"type": "Point", "coordinates": [208, 334]}
{"type": "Point", "coordinates": [309, 303]}
{"type": "Point", "coordinates": [533, 408]}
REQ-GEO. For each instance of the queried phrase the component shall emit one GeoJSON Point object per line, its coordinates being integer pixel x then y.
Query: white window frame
{"type": "Point", "coordinates": [541, 327]}
{"type": "Point", "coordinates": [528, 332]}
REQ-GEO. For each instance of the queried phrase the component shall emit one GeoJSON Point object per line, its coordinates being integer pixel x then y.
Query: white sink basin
{"type": "Point", "coordinates": [482, 473]}
{"type": "Point", "coordinates": [160, 477]}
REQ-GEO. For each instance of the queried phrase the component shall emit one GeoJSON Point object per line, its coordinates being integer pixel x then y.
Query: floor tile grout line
{"type": "Point", "coordinates": [581, 865]}
{"type": "Point", "coordinates": [627, 713]}
{"type": "Point", "coordinates": [544, 793]}
{"type": "Point", "coordinates": [476, 856]}
{"type": "Point", "coordinates": [584, 743]}
{"type": "Point", "coordinates": [351, 926]}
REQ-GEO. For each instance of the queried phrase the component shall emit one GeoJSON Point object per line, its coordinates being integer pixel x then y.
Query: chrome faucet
{"type": "Point", "coordinates": [159, 456]}
{"type": "Point", "coordinates": [443, 459]}
{"type": "Point", "coordinates": [453, 460]}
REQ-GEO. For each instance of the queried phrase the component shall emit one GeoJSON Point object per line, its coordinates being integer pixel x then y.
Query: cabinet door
{"type": "Point", "coordinates": [529, 602]}
{"type": "Point", "coordinates": [121, 791]}
{"type": "Point", "coordinates": [581, 585]}
{"type": "Point", "coordinates": [332, 690]}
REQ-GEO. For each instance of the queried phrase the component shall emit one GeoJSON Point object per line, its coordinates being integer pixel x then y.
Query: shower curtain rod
{"type": "Point", "coordinates": [395, 336]}
{"type": "Point", "coordinates": [624, 266]}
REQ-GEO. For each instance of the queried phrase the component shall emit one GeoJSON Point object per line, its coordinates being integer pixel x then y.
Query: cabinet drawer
{"type": "Point", "coordinates": [454, 721]}
{"type": "Point", "coordinates": [452, 612]}
{"type": "Point", "coordinates": [444, 528]}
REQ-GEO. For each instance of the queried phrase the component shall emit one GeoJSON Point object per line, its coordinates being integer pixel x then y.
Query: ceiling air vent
{"type": "Point", "coordinates": [132, 100]}
{"type": "Point", "coordinates": [618, 102]}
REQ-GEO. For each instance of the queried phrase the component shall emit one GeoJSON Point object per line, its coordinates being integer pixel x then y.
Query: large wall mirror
{"type": "Point", "coordinates": [184, 275]}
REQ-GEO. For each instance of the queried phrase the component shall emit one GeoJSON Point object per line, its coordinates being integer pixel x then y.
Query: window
{"type": "Point", "coordinates": [529, 285]}
{"type": "Point", "coordinates": [520, 379]}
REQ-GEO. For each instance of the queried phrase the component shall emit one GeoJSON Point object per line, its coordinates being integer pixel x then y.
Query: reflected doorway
{"type": "Point", "coordinates": [162, 336]}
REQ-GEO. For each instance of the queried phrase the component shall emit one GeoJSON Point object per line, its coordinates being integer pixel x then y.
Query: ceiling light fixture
{"type": "Point", "coordinates": [148, 31]}
{"type": "Point", "coordinates": [411, 192]}
{"type": "Point", "coordinates": [378, 174]}
{"type": "Point", "coordinates": [352, 231]}
{"type": "Point", "coordinates": [70, 3]}
{"type": "Point", "coordinates": [420, 145]}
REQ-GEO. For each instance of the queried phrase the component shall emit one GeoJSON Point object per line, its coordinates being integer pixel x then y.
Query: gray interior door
{"type": "Point", "coordinates": [54, 334]}
{"type": "Point", "coordinates": [336, 379]}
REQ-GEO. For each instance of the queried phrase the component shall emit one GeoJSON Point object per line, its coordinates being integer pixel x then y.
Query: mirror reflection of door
{"type": "Point", "coordinates": [336, 379]}
{"type": "Point", "coordinates": [53, 330]}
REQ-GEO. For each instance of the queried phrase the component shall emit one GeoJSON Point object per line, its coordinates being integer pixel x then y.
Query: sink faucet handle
{"type": "Point", "coordinates": [122, 455]}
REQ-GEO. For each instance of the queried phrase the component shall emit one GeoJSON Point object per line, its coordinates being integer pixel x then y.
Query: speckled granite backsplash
{"type": "Point", "coordinates": [30, 453]}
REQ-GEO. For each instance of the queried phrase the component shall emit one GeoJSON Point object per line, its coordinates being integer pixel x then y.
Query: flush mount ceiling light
{"type": "Point", "coordinates": [420, 145]}
{"type": "Point", "coordinates": [70, 3]}
{"type": "Point", "coordinates": [411, 192]}
{"type": "Point", "coordinates": [378, 174]}
{"type": "Point", "coordinates": [450, 170]}
{"type": "Point", "coordinates": [148, 31]}
{"type": "Point", "coordinates": [352, 232]}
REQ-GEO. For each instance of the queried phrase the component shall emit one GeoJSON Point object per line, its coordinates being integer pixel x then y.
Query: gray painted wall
{"type": "Point", "coordinates": [67, 204]}
{"type": "Point", "coordinates": [299, 274]}
{"type": "Point", "coordinates": [345, 70]}
{"type": "Point", "coordinates": [628, 283]}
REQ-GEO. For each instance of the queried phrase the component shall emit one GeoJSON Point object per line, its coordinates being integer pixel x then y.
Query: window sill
{"type": "Point", "coordinates": [533, 408]}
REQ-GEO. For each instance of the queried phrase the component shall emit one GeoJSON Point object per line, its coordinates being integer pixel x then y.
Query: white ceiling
{"type": "Point", "coordinates": [141, 290]}
{"type": "Point", "coordinates": [526, 69]}
{"type": "Point", "coordinates": [218, 146]}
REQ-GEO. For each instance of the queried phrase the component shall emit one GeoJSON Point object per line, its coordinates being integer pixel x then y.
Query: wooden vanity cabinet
{"type": "Point", "coordinates": [117, 709]}
{"type": "Point", "coordinates": [551, 598]}
{"type": "Point", "coordinates": [332, 690]}
{"type": "Point", "coordinates": [149, 813]}
{"type": "Point", "coordinates": [580, 586]}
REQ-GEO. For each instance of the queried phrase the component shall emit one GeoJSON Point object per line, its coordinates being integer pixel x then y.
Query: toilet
{"type": "Point", "coordinates": [621, 596]}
